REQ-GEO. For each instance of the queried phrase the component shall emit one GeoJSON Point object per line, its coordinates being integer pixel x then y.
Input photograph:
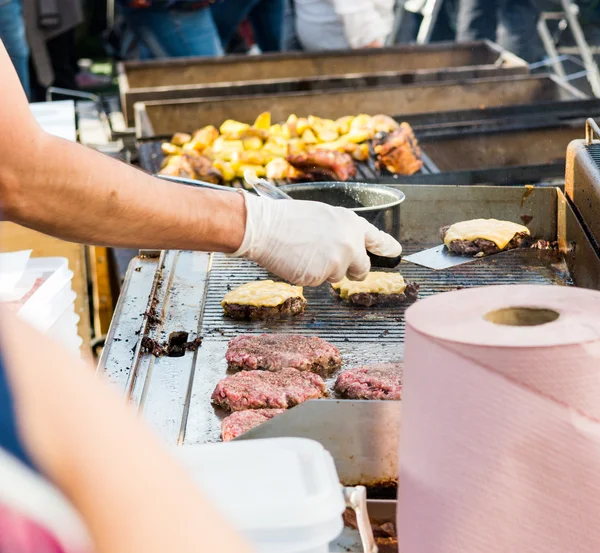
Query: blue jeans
{"type": "Point", "coordinates": [266, 18]}
{"type": "Point", "coordinates": [290, 38]}
{"type": "Point", "coordinates": [512, 23]}
{"type": "Point", "coordinates": [12, 33]}
{"type": "Point", "coordinates": [175, 33]}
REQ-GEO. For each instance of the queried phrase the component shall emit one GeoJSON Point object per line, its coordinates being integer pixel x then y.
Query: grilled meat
{"type": "Point", "coordinates": [268, 390]}
{"type": "Point", "coordinates": [240, 422]}
{"type": "Point", "coordinates": [192, 165]}
{"type": "Point", "coordinates": [480, 246]}
{"type": "Point", "coordinates": [379, 288]}
{"type": "Point", "coordinates": [383, 381]}
{"type": "Point", "coordinates": [324, 164]}
{"type": "Point", "coordinates": [398, 151]}
{"type": "Point", "coordinates": [289, 308]}
{"type": "Point", "coordinates": [274, 352]}
{"type": "Point", "coordinates": [264, 299]}
{"type": "Point", "coordinates": [371, 299]}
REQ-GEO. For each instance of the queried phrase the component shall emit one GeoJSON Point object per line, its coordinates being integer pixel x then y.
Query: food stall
{"type": "Point", "coordinates": [166, 348]}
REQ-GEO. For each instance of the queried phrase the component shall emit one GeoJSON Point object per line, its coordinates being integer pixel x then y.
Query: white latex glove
{"type": "Point", "coordinates": [308, 243]}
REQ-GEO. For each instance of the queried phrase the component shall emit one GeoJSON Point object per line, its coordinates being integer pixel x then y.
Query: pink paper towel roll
{"type": "Point", "coordinates": [500, 444]}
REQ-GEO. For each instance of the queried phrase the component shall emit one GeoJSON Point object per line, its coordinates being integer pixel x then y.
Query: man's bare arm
{"type": "Point", "coordinates": [70, 191]}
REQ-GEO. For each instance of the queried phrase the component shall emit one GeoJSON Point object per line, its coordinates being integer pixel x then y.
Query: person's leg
{"type": "Point", "coordinates": [477, 20]}
{"type": "Point", "coordinates": [173, 33]}
{"type": "Point", "coordinates": [518, 29]}
{"type": "Point", "coordinates": [290, 38]}
{"type": "Point", "coordinates": [12, 33]}
{"type": "Point", "coordinates": [267, 18]}
{"type": "Point", "coordinates": [61, 50]}
{"type": "Point", "coordinates": [228, 15]}
{"type": "Point", "coordinates": [445, 26]}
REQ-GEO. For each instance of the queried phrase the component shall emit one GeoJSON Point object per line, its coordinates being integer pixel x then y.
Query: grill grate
{"type": "Point", "coordinates": [594, 151]}
{"type": "Point", "coordinates": [337, 322]}
{"type": "Point", "coordinates": [151, 156]}
{"type": "Point", "coordinates": [362, 336]}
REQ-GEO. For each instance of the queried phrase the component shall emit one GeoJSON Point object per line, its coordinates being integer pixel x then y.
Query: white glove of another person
{"type": "Point", "coordinates": [308, 243]}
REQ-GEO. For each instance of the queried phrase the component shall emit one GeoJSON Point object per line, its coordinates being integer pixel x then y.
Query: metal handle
{"type": "Point", "coordinates": [356, 499]}
{"type": "Point", "coordinates": [591, 130]}
{"type": "Point", "coordinates": [264, 188]}
{"type": "Point", "coordinates": [197, 183]}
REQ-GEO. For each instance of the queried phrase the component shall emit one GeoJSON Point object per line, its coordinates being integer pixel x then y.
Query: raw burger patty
{"type": "Point", "coordinates": [238, 423]}
{"type": "Point", "coordinates": [480, 245]}
{"type": "Point", "coordinates": [383, 381]}
{"type": "Point", "coordinates": [267, 390]}
{"type": "Point", "coordinates": [273, 352]}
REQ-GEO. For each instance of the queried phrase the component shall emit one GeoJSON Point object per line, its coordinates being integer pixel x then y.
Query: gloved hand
{"type": "Point", "coordinates": [308, 243]}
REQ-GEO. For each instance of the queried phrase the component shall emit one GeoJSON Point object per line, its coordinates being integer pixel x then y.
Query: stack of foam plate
{"type": "Point", "coordinates": [48, 300]}
{"type": "Point", "coordinates": [285, 497]}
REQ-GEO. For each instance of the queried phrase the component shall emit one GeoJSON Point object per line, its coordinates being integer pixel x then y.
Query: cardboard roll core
{"type": "Point", "coordinates": [522, 316]}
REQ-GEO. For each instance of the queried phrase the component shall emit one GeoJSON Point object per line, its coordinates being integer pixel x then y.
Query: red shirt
{"type": "Point", "coordinates": [19, 534]}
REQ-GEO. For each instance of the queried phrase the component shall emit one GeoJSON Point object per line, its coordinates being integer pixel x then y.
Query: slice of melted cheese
{"type": "Point", "coordinates": [498, 232]}
{"type": "Point", "coordinates": [263, 293]}
{"type": "Point", "coordinates": [375, 283]}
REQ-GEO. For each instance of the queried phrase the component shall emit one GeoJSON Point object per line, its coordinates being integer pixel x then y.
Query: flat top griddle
{"type": "Point", "coordinates": [151, 156]}
{"type": "Point", "coordinates": [174, 393]}
{"type": "Point", "coordinates": [182, 291]}
{"type": "Point", "coordinates": [363, 336]}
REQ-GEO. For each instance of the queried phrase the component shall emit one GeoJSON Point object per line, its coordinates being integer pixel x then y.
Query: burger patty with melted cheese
{"type": "Point", "coordinates": [483, 236]}
{"type": "Point", "coordinates": [378, 288]}
{"type": "Point", "coordinates": [263, 299]}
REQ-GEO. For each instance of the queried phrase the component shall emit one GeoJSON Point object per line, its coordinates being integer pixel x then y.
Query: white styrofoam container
{"type": "Point", "coordinates": [65, 325]}
{"type": "Point", "coordinates": [53, 297]}
{"type": "Point", "coordinates": [283, 494]}
{"type": "Point", "coordinates": [71, 344]}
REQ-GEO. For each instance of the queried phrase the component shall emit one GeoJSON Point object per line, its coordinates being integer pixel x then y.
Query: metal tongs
{"type": "Point", "coordinates": [356, 499]}
{"type": "Point", "coordinates": [264, 188]}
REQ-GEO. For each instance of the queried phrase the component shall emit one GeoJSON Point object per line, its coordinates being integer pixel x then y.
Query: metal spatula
{"type": "Point", "coordinates": [267, 190]}
{"type": "Point", "coordinates": [440, 258]}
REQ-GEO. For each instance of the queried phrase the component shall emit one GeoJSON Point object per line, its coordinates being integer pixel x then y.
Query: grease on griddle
{"type": "Point", "coordinates": [149, 345]}
{"type": "Point", "coordinates": [153, 318]}
{"type": "Point", "coordinates": [545, 245]}
{"type": "Point", "coordinates": [529, 190]}
{"type": "Point", "coordinates": [174, 347]}
{"type": "Point", "coordinates": [526, 219]}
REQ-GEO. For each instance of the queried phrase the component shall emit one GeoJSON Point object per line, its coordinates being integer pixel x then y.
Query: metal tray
{"type": "Point", "coordinates": [163, 118]}
{"type": "Point", "coordinates": [233, 75]}
{"type": "Point", "coordinates": [150, 157]}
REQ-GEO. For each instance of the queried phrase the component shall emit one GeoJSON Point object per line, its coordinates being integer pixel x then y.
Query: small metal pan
{"type": "Point", "coordinates": [378, 204]}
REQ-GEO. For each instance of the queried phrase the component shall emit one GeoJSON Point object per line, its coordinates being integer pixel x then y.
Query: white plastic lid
{"type": "Point", "coordinates": [268, 484]}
